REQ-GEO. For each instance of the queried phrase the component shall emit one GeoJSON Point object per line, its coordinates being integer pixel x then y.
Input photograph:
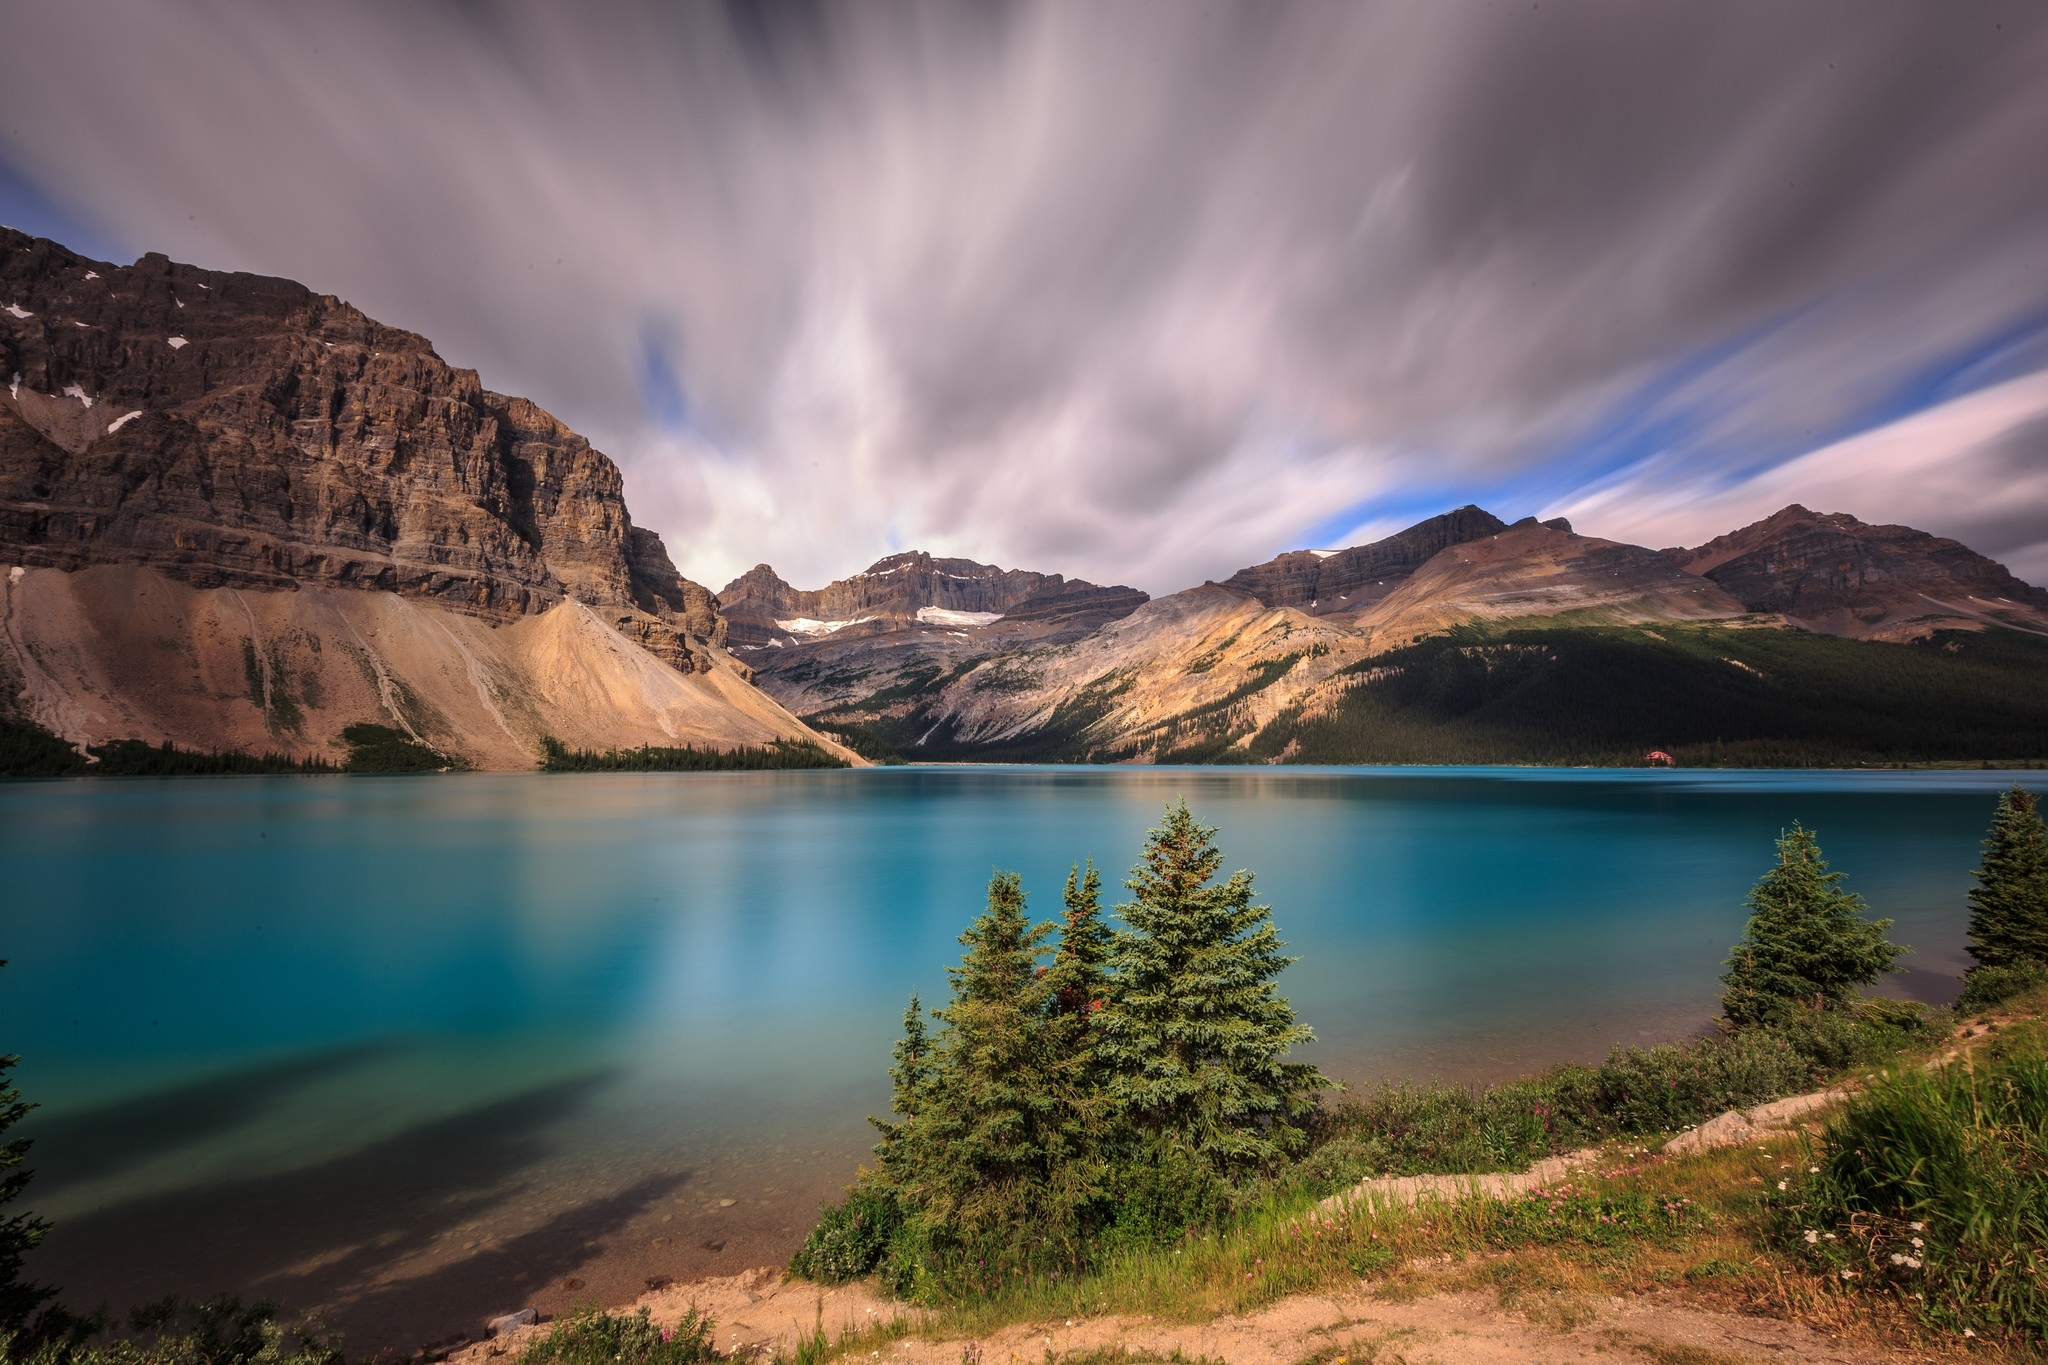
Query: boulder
{"type": "Point", "coordinates": [505, 1322]}
{"type": "Point", "coordinates": [1727, 1130]}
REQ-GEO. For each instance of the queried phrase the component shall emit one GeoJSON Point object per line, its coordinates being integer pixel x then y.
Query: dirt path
{"type": "Point", "coordinates": [759, 1315]}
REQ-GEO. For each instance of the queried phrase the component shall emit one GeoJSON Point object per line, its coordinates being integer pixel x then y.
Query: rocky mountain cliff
{"type": "Point", "coordinates": [905, 591]}
{"type": "Point", "coordinates": [904, 621]}
{"type": "Point", "coordinates": [1832, 573]}
{"type": "Point", "coordinates": [240, 431]}
{"type": "Point", "coordinates": [243, 438]}
{"type": "Point", "coordinates": [1323, 582]}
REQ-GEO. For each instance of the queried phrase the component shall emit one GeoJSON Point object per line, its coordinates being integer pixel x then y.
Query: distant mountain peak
{"type": "Point", "coordinates": [1320, 582]}
{"type": "Point", "coordinates": [1832, 572]}
{"type": "Point", "coordinates": [909, 590]}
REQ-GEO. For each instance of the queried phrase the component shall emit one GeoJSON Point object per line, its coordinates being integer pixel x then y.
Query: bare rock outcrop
{"type": "Point", "coordinates": [1320, 583]}
{"type": "Point", "coordinates": [907, 590]}
{"type": "Point", "coordinates": [1832, 573]}
{"type": "Point", "coordinates": [232, 430]}
{"type": "Point", "coordinates": [1738, 1126]}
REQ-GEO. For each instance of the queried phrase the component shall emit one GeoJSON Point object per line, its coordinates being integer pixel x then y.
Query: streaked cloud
{"type": "Point", "coordinates": [1141, 293]}
{"type": "Point", "coordinates": [1976, 466]}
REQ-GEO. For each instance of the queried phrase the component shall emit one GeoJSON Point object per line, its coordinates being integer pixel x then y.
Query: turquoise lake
{"type": "Point", "coordinates": [410, 1050]}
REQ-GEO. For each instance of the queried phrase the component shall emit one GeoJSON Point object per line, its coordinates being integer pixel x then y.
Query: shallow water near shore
{"type": "Point", "coordinates": [414, 1050]}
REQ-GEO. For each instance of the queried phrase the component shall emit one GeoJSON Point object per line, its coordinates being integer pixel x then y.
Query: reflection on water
{"type": "Point", "coordinates": [415, 1050]}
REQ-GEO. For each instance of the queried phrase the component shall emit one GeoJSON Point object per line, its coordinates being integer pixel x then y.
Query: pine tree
{"type": "Point", "coordinates": [996, 1138]}
{"type": "Point", "coordinates": [909, 1080]}
{"type": "Point", "coordinates": [1807, 942]}
{"type": "Point", "coordinates": [2009, 905]}
{"type": "Point", "coordinates": [1078, 980]}
{"type": "Point", "coordinates": [1194, 1036]}
{"type": "Point", "coordinates": [20, 1232]}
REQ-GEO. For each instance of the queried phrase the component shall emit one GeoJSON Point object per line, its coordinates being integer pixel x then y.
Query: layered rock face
{"type": "Point", "coordinates": [232, 430]}
{"type": "Point", "coordinates": [905, 591]}
{"type": "Point", "coordinates": [1352, 579]}
{"type": "Point", "coordinates": [1833, 573]}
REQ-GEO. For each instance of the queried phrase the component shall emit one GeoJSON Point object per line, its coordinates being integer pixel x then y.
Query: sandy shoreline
{"type": "Point", "coordinates": [758, 1316]}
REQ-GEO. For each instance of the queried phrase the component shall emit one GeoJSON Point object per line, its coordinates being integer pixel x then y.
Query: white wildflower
{"type": "Point", "coordinates": [1812, 1237]}
{"type": "Point", "coordinates": [1781, 1184]}
{"type": "Point", "coordinates": [1918, 1227]}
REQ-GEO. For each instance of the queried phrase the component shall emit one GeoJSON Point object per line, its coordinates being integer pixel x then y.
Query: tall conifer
{"type": "Point", "coordinates": [1194, 1036]}
{"type": "Point", "coordinates": [1807, 942]}
{"type": "Point", "coordinates": [999, 1125]}
{"type": "Point", "coordinates": [19, 1232]}
{"type": "Point", "coordinates": [2009, 905]}
{"type": "Point", "coordinates": [909, 1080]}
{"type": "Point", "coordinates": [1085, 945]}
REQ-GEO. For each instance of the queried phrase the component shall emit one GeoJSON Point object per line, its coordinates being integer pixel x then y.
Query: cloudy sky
{"type": "Point", "coordinates": [1141, 292]}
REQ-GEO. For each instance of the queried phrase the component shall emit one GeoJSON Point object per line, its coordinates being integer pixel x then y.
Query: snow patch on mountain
{"type": "Point", "coordinates": [940, 616]}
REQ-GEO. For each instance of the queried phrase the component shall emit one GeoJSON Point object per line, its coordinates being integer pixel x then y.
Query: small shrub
{"type": "Point", "coordinates": [219, 1331]}
{"type": "Point", "coordinates": [851, 1237]}
{"type": "Point", "coordinates": [594, 1337]}
{"type": "Point", "coordinates": [1868, 1032]}
{"type": "Point", "coordinates": [1986, 988]}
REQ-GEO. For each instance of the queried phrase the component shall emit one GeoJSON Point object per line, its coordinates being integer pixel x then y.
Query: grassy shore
{"type": "Point", "coordinates": [1723, 1230]}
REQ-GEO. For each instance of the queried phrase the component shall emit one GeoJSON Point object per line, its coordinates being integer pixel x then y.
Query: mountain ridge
{"type": "Point", "coordinates": [1833, 573]}
{"type": "Point", "coordinates": [892, 593]}
{"type": "Point", "coordinates": [284, 469]}
{"type": "Point", "coordinates": [1211, 669]}
{"type": "Point", "coordinates": [238, 430]}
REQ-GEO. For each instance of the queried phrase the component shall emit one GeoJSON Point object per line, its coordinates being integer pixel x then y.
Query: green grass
{"type": "Point", "coordinates": [783, 753]}
{"type": "Point", "coordinates": [594, 1337]}
{"type": "Point", "coordinates": [1932, 1186]}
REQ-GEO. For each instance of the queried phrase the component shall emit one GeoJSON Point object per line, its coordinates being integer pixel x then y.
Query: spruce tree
{"type": "Point", "coordinates": [909, 1080]}
{"type": "Point", "coordinates": [1193, 1036]}
{"type": "Point", "coordinates": [995, 1136]}
{"type": "Point", "coordinates": [2009, 905]}
{"type": "Point", "coordinates": [20, 1232]}
{"type": "Point", "coordinates": [1807, 943]}
{"type": "Point", "coordinates": [1078, 980]}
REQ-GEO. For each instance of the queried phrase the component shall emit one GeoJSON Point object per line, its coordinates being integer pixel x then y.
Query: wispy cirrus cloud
{"type": "Point", "coordinates": [1136, 293]}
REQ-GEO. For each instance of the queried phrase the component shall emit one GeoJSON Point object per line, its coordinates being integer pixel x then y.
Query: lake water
{"type": "Point", "coordinates": [412, 1050]}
